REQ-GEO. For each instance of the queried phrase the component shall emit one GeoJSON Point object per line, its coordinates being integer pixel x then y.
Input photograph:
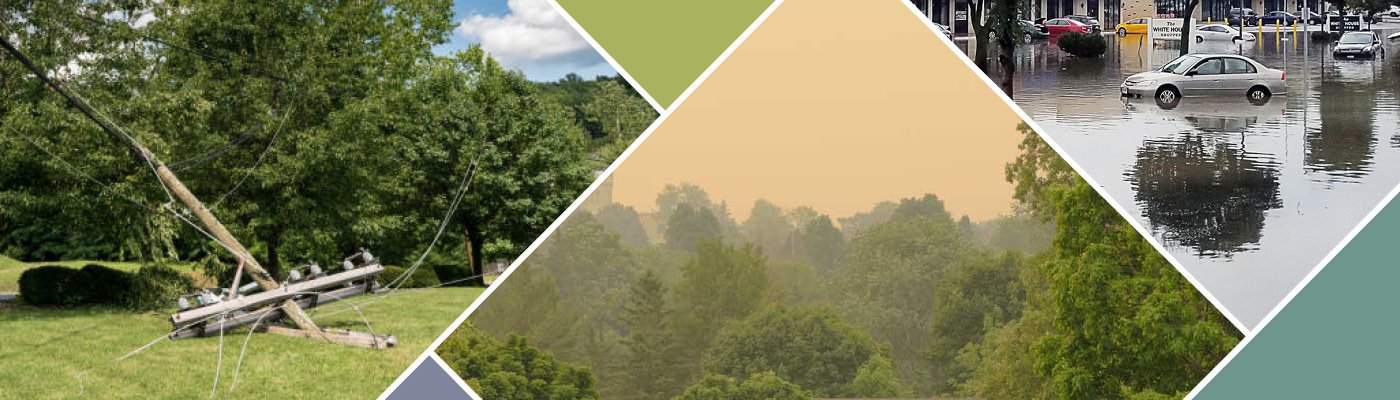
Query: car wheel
{"type": "Point", "coordinates": [1236, 39]}
{"type": "Point", "coordinates": [1168, 97]}
{"type": "Point", "coordinates": [1258, 95]}
{"type": "Point", "coordinates": [1394, 14]}
{"type": "Point", "coordinates": [1122, 32]}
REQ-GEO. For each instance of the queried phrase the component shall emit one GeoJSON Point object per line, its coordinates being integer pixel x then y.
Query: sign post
{"type": "Point", "coordinates": [1163, 29]}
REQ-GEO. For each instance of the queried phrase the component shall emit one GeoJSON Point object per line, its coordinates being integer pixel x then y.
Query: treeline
{"type": "Point", "coordinates": [1063, 300]}
{"type": "Point", "coordinates": [310, 128]}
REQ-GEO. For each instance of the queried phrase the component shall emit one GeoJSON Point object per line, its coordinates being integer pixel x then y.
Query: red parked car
{"type": "Point", "coordinates": [1060, 25]}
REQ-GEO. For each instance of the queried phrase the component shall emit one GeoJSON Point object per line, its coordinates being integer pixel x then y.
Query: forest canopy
{"type": "Point", "coordinates": [1062, 299]}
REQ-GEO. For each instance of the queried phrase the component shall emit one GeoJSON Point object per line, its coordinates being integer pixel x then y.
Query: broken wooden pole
{"type": "Point", "coordinates": [284, 294]}
{"type": "Point", "coordinates": [177, 189]}
{"type": "Point", "coordinates": [269, 314]}
{"type": "Point", "coordinates": [341, 336]}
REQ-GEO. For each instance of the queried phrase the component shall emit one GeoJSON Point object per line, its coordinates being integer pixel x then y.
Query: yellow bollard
{"type": "Point", "coordinates": [1278, 33]}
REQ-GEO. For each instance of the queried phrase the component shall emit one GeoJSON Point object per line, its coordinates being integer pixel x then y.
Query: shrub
{"type": "Point", "coordinates": [1083, 44]}
{"type": "Point", "coordinates": [422, 277]}
{"type": "Point", "coordinates": [455, 273]}
{"type": "Point", "coordinates": [109, 285]}
{"type": "Point", "coordinates": [1325, 36]}
{"type": "Point", "coordinates": [156, 286]}
{"type": "Point", "coordinates": [54, 286]}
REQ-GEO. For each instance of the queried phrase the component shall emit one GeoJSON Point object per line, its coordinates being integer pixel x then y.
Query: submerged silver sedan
{"type": "Point", "coordinates": [1206, 74]}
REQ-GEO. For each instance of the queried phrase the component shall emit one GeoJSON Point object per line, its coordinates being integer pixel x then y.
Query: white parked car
{"type": "Point", "coordinates": [1206, 74]}
{"type": "Point", "coordinates": [1221, 32]}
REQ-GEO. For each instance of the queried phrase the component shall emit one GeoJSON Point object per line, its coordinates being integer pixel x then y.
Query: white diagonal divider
{"type": "Point", "coordinates": [664, 113]}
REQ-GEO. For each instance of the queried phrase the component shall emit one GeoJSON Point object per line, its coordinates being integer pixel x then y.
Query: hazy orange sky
{"type": "Point", "coordinates": [798, 116]}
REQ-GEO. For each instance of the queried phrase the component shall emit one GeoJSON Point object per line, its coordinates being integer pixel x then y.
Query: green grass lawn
{"type": "Point", "coordinates": [69, 353]}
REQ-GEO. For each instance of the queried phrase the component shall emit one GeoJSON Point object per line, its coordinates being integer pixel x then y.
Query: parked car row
{"type": "Point", "coordinates": [1232, 74]}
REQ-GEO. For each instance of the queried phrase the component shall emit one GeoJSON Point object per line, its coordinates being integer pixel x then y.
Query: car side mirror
{"type": "Point", "coordinates": [1191, 73]}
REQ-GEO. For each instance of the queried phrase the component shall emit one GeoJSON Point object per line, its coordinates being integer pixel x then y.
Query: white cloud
{"type": "Point", "coordinates": [532, 34]}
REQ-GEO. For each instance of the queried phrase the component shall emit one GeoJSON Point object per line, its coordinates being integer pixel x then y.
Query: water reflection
{"type": "Point", "coordinates": [1342, 146]}
{"type": "Point", "coordinates": [1205, 192]}
{"type": "Point", "coordinates": [1248, 197]}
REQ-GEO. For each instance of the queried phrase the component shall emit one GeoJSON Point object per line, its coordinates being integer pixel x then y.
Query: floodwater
{"type": "Point", "coordinates": [1248, 198]}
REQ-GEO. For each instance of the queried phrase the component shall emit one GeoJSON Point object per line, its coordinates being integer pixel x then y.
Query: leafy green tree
{"type": "Point", "coordinates": [877, 379]}
{"type": "Point", "coordinates": [928, 206]}
{"type": "Point", "coordinates": [310, 194]}
{"type": "Point", "coordinates": [728, 227]}
{"type": "Point", "coordinates": [769, 229]}
{"type": "Point", "coordinates": [969, 299]}
{"type": "Point", "coordinates": [760, 386]}
{"type": "Point", "coordinates": [722, 283]}
{"type": "Point", "coordinates": [965, 226]}
{"type": "Point", "coordinates": [651, 370]}
{"type": "Point", "coordinates": [820, 243]}
{"type": "Point", "coordinates": [673, 195]}
{"type": "Point", "coordinates": [1113, 294]}
{"type": "Point", "coordinates": [586, 260]}
{"type": "Point", "coordinates": [1021, 232]}
{"type": "Point", "coordinates": [799, 216]}
{"type": "Point", "coordinates": [529, 154]}
{"type": "Point", "coordinates": [513, 369]}
{"type": "Point", "coordinates": [881, 212]}
{"type": "Point", "coordinates": [885, 283]}
{"type": "Point", "coordinates": [1003, 366]}
{"type": "Point", "coordinates": [1004, 21]}
{"type": "Point", "coordinates": [620, 115]}
{"type": "Point", "coordinates": [809, 347]}
{"type": "Point", "coordinates": [689, 225]}
{"type": "Point", "coordinates": [1035, 172]}
{"type": "Point", "coordinates": [66, 190]}
{"type": "Point", "coordinates": [794, 282]}
{"type": "Point", "coordinates": [529, 304]}
{"type": "Point", "coordinates": [624, 221]}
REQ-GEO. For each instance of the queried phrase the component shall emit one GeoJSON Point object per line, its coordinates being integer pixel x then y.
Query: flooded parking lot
{"type": "Point", "coordinates": [1249, 198]}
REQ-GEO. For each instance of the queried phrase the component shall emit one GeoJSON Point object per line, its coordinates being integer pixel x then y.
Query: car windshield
{"type": "Point", "coordinates": [1181, 65]}
{"type": "Point", "coordinates": [1356, 38]}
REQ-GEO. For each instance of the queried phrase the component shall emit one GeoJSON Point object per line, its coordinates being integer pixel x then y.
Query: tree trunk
{"type": "Point", "coordinates": [1008, 69]}
{"type": "Point", "coordinates": [979, 30]}
{"type": "Point", "coordinates": [1188, 34]}
{"type": "Point", "coordinates": [273, 263]}
{"type": "Point", "coordinates": [474, 242]}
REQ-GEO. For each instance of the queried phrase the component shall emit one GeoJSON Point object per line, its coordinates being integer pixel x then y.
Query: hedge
{"type": "Point", "coordinates": [455, 273]}
{"type": "Point", "coordinates": [157, 286]}
{"type": "Point", "coordinates": [421, 278]}
{"type": "Point", "coordinates": [1082, 44]}
{"type": "Point", "coordinates": [151, 287]}
{"type": "Point", "coordinates": [53, 285]}
{"type": "Point", "coordinates": [109, 285]}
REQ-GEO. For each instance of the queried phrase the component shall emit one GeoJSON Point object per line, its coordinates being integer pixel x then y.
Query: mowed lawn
{"type": "Point", "coordinates": [50, 353]}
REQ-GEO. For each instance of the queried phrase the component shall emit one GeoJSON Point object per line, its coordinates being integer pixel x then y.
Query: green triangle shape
{"type": "Point", "coordinates": [1336, 339]}
{"type": "Point", "coordinates": [664, 45]}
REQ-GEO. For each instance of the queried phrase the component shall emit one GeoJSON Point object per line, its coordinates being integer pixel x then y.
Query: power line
{"type": "Point", "coordinates": [192, 162]}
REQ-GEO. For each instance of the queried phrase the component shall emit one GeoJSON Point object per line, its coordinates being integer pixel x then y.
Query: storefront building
{"type": "Point", "coordinates": [954, 13]}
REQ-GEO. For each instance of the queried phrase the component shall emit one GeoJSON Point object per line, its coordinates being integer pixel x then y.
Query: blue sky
{"type": "Point", "coordinates": [528, 35]}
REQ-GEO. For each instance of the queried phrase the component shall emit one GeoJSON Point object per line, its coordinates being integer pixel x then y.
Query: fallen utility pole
{"type": "Point", "coordinates": [255, 270]}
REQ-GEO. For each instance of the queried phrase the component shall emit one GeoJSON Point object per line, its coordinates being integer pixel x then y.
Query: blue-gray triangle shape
{"type": "Point", "coordinates": [428, 381]}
